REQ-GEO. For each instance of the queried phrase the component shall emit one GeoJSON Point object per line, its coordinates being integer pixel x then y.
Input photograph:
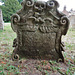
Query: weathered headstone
{"type": "Point", "coordinates": [72, 21]}
{"type": "Point", "coordinates": [1, 20]}
{"type": "Point", "coordinates": [39, 27]}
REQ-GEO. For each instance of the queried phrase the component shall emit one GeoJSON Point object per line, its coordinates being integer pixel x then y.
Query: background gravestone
{"type": "Point", "coordinates": [72, 21]}
{"type": "Point", "coordinates": [39, 27]}
{"type": "Point", "coordinates": [1, 20]}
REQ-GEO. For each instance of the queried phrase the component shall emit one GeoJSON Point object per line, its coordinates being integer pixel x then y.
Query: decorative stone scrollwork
{"type": "Point", "coordinates": [64, 20]}
{"type": "Point", "coordinates": [15, 57]}
{"type": "Point", "coordinates": [50, 4]}
{"type": "Point", "coordinates": [48, 19]}
{"type": "Point", "coordinates": [47, 29]}
{"type": "Point", "coordinates": [29, 3]}
{"type": "Point", "coordinates": [15, 18]}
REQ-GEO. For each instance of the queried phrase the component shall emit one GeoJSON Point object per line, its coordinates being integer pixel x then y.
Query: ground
{"type": "Point", "coordinates": [31, 66]}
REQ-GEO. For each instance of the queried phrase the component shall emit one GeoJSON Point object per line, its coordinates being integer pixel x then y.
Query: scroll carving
{"type": "Point", "coordinates": [15, 19]}
{"type": "Point", "coordinates": [30, 3]}
{"type": "Point", "coordinates": [64, 20]}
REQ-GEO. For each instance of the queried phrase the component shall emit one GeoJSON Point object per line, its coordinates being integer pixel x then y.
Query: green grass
{"type": "Point", "coordinates": [70, 40]}
{"type": "Point", "coordinates": [7, 35]}
{"type": "Point", "coordinates": [6, 41]}
{"type": "Point", "coordinates": [7, 69]}
{"type": "Point", "coordinates": [6, 38]}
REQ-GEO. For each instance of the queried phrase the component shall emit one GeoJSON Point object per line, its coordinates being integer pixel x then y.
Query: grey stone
{"type": "Point", "coordinates": [39, 27]}
{"type": "Point", "coordinates": [1, 20]}
{"type": "Point", "coordinates": [72, 21]}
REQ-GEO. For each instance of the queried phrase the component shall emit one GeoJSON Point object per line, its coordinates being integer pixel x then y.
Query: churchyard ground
{"type": "Point", "coordinates": [31, 66]}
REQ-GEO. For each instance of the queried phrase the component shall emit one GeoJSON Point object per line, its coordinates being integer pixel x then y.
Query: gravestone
{"type": "Point", "coordinates": [72, 21]}
{"type": "Point", "coordinates": [39, 27]}
{"type": "Point", "coordinates": [1, 20]}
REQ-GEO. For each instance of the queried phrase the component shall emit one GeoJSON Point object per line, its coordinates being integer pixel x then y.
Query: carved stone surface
{"type": "Point", "coordinates": [39, 27]}
{"type": "Point", "coordinates": [1, 20]}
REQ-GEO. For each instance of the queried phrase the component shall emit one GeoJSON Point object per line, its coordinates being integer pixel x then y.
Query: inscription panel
{"type": "Point", "coordinates": [39, 40]}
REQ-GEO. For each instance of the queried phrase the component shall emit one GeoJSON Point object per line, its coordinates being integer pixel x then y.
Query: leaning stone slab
{"type": "Point", "coordinates": [1, 20]}
{"type": "Point", "coordinates": [39, 27]}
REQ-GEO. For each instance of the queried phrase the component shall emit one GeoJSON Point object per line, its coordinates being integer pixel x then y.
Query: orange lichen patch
{"type": "Point", "coordinates": [3, 62]}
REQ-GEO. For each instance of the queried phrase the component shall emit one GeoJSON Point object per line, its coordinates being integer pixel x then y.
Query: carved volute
{"type": "Point", "coordinates": [39, 27]}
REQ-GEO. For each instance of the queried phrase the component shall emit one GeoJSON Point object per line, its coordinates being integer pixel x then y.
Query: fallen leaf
{"type": "Point", "coordinates": [3, 62]}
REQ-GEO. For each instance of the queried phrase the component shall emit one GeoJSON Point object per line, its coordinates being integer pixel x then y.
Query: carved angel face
{"type": "Point", "coordinates": [39, 5]}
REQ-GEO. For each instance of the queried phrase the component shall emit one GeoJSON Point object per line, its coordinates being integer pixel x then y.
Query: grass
{"type": "Point", "coordinates": [7, 35]}
{"type": "Point", "coordinates": [6, 40]}
{"type": "Point", "coordinates": [8, 68]}
{"type": "Point", "coordinates": [69, 40]}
